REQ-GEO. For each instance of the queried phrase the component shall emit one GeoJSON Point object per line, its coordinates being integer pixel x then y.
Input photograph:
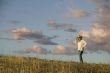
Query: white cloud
{"type": "Point", "coordinates": [76, 13]}
{"type": "Point", "coordinates": [98, 37]}
{"type": "Point", "coordinates": [62, 26]}
{"type": "Point", "coordinates": [59, 49]}
{"type": "Point", "coordinates": [22, 33]}
{"type": "Point", "coordinates": [36, 35]}
{"type": "Point", "coordinates": [36, 49]}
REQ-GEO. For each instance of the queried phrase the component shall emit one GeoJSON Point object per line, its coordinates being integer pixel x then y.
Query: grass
{"type": "Point", "coordinates": [13, 64]}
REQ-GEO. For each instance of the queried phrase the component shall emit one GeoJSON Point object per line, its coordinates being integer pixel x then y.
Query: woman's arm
{"type": "Point", "coordinates": [84, 43]}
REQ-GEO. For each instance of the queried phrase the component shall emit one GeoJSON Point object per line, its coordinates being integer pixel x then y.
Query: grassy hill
{"type": "Point", "coordinates": [12, 64]}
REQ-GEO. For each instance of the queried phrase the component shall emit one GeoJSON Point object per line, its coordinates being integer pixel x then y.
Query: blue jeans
{"type": "Point", "coordinates": [80, 56]}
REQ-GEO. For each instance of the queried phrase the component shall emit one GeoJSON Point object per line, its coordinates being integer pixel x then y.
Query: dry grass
{"type": "Point", "coordinates": [10, 64]}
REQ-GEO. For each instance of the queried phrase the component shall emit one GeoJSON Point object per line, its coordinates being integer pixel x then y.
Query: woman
{"type": "Point", "coordinates": [81, 44]}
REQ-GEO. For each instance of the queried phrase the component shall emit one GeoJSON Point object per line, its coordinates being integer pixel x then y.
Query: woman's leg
{"type": "Point", "coordinates": [80, 56]}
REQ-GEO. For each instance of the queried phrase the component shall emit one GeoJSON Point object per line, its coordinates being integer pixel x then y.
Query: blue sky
{"type": "Point", "coordinates": [47, 28]}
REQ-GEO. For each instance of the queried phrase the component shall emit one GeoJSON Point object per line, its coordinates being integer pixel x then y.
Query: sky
{"type": "Point", "coordinates": [47, 29]}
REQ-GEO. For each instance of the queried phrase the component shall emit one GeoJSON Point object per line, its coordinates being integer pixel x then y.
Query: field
{"type": "Point", "coordinates": [14, 64]}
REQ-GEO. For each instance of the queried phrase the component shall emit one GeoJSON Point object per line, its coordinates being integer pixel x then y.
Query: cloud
{"type": "Point", "coordinates": [3, 34]}
{"type": "Point", "coordinates": [46, 41]}
{"type": "Point", "coordinates": [70, 29]}
{"type": "Point", "coordinates": [14, 22]}
{"type": "Point", "coordinates": [73, 10]}
{"type": "Point", "coordinates": [2, 38]}
{"type": "Point", "coordinates": [37, 49]}
{"type": "Point", "coordinates": [65, 27]}
{"type": "Point", "coordinates": [60, 49]}
{"type": "Point", "coordinates": [34, 49]}
{"type": "Point", "coordinates": [76, 13]}
{"type": "Point", "coordinates": [99, 1]}
{"type": "Point", "coordinates": [57, 50]}
{"type": "Point", "coordinates": [23, 33]}
{"type": "Point", "coordinates": [98, 37]}
{"type": "Point", "coordinates": [37, 35]}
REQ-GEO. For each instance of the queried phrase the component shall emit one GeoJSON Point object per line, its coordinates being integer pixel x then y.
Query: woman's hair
{"type": "Point", "coordinates": [79, 38]}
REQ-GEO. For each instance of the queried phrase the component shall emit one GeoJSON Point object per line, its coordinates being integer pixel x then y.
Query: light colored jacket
{"type": "Point", "coordinates": [81, 45]}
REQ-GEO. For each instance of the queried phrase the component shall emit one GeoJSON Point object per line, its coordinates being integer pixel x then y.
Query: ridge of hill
{"type": "Point", "coordinates": [15, 64]}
